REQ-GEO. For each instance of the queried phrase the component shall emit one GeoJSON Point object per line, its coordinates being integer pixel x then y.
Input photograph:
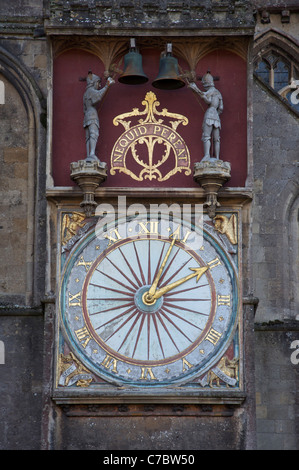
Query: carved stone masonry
{"type": "Point", "coordinates": [88, 176]}
{"type": "Point", "coordinates": [140, 14]}
{"type": "Point", "coordinates": [211, 175]}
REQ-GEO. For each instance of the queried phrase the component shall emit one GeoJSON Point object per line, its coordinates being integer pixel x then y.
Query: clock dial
{"type": "Point", "coordinates": [130, 325]}
{"type": "Point", "coordinates": [147, 309]}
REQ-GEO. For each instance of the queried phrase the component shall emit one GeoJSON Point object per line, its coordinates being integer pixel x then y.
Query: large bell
{"type": "Point", "coordinates": [168, 77]}
{"type": "Point", "coordinates": [133, 73]}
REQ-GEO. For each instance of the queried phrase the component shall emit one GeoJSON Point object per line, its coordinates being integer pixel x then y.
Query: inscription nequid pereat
{"type": "Point", "coordinates": [150, 134]}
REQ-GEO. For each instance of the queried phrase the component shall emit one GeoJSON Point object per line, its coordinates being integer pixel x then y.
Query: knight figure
{"type": "Point", "coordinates": [91, 99]}
{"type": "Point", "coordinates": [211, 123]}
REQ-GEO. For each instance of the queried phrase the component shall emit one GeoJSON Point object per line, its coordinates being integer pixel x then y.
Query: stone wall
{"type": "Point", "coordinates": [23, 72]}
{"type": "Point", "coordinates": [277, 385]}
{"type": "Point", "coordinates": [275, 236]}
{"type": "Point", "coordinates": [26, 333]}
{"type": "Point", "coordinates": [21, 381]}
{"type": "Point", "coordinates": [275, 257]}
{"type": "Point", "coordinates": [13, 195]}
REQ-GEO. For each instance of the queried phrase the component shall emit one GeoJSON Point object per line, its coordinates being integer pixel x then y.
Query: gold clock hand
{"type": "Point", "coordinates": [163, 290]}
{"type": "Point", "coordinates": [153, 287]}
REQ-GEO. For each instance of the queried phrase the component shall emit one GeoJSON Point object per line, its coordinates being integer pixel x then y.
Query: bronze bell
{"type": "Point", "coordinates": [168, 77]}
{"type": "Point", "coordinates": [133, 73]}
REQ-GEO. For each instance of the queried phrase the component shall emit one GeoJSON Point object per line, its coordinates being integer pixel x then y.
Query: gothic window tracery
{"type": "Point", "coordinates": [281, 73]}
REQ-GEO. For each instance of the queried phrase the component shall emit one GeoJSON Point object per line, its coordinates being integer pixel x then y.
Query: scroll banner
{"type": "Point", "coordinates": [72, 380]}
{"type": "Point", "coordinates": [225, 378]}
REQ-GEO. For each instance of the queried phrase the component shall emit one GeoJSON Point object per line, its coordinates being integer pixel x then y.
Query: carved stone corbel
{"type": "Point", "coordinates": [211, 175]}
{"type": "Point", "coordinates": [88, 175]}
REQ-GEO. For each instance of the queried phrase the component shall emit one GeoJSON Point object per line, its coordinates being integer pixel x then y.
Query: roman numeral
{"type": "Point", "coordinates": [84, 263]}
{"type": "Point", "coordinates": [110, 361]}
{"type": "Point", "coordinates": [186, 236]}
{"type": "Point", "coordinates": [215, 262]}
{"type": "Point", "coordinates": [75, 300]}
{"type": "Point", "coordinates": [213, 336]}
{"type": "Point", "coordinates": [146, 372]}
{"type": "Point", "coordinates": [149, 228]}
{"type": "Point", "coordinates": [83, 336]}
{"type": "Point", "coordinates": [223, 300]}
{"type": "Point", "coordinates": [186, 364]}
{"type": "Point", "coordinates": [113, 236]}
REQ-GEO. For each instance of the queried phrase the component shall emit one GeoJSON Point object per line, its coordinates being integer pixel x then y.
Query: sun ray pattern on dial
{"type": "Point", "coordinates": [130, 327]}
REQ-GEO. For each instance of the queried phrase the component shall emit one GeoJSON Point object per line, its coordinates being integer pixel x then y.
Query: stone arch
{"type": "Point", "coordinates": [271, 38]}
{"type": "Point", "coordinates": [18, 75]}
{"type": "Point", "coordinates": [28, 155]}
{"type": "Point", "coordinates": [2, 353]}
{"type": "Point", "coordinates": [108, 50]}
{"type": "Point", "coordinates": [276, 55]}
{"type": "Point", "coordinates": [2, 92]}
{"type": "Point", "coordinates": [291, 248]}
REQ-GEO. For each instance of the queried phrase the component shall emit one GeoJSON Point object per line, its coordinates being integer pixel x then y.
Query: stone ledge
{"type": "Point", "coordinates": [19, 310]}
{"type": "Point", "coordinates": [277, 325]}
{"type": "Point", "coordinates": [64, 193]}
{"type": "Point", "coordinates": [222, 397]}
{"type": "Point", "coordinates": [156, 15]}
{"type": "Point", "coordinates": [172, 410]}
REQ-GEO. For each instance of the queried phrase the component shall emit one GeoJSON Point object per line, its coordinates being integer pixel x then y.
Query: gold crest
{"type": "Point", "coordinates": [160, 143]}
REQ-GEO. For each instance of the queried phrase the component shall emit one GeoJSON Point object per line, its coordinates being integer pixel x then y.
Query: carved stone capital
{"type": "Point", "coordinates": [88, 175]}
{"type": "Point", "coordinates": [211, 175]}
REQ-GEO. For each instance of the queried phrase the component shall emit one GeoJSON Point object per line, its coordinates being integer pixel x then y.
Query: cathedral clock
{"type": "Point", "coordinates": [149, 308]}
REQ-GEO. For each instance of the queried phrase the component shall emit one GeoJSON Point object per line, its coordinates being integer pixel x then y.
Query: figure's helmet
{"type": "Point", "coordinates": [92, 79]}
{"type": "Point", "coordinates": [207, 79]}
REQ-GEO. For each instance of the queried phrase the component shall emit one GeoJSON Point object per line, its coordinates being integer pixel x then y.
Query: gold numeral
{"type": "Point", "coordinates": [83, 336]}
{"type": "Point", "coordinates": [84, 263]}
{"type": "Point", "coordinates": [213, 336]}
{"type": "Point", "coordinates": [215, 262]}
{"type": "Point", "coordinates": [176, 234]}
{"type": "Point", "coordinates": [75, 300]}
{"type": "Point", "coordinates": [147, 372]}
{"type": "Point", "coordinates": [186, 236]}
{"type": "Point", "coordinates": [113, 236]}
{"type": "Point", "coordinates": [223, 300]}
{"type": "Point", "coordinates": [186, 365]}
{"type": "Point", "coordinates": [110, 361]}
{"type": "Point", "coordinates": [150, 227]}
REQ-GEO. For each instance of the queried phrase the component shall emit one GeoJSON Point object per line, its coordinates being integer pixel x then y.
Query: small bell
{"type": "Point", "coordinates": [168, 77]}
{"type": "Point", "coordinates": [133, 73]}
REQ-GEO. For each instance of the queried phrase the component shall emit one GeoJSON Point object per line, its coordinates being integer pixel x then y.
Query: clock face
{"type": "Point", "coordinates": [143, 307]}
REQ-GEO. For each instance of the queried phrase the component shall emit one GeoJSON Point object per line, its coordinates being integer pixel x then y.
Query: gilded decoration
{"type": "Point", "coordinates": [72, 372]}
{"type": "Point", "coordinates": [227, 226]}
{"type": "Point", "coordinates": [157, 139]}
{"type": "Point", "coordinates": [227, 370]}
{"type": "Point", "coordinates": [70, 225]}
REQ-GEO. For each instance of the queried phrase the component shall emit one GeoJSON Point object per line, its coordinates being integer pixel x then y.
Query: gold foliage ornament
{"type": "Point", "coordinates": [227, 226]}
{"type": "Point", "coordinates": [72, 372]}
{"type": "Point", "coordinates": [70, 225]}
{"type": "Point", "coordinates": [162, 142]}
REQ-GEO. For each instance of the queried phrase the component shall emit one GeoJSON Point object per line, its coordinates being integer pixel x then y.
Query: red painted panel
{"type": "Point", "coordinates": [68, 132]}
{"type": "Point", "coordinates": [232, 71]}
{"type": "Point", "coordinates": [69, 135]}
